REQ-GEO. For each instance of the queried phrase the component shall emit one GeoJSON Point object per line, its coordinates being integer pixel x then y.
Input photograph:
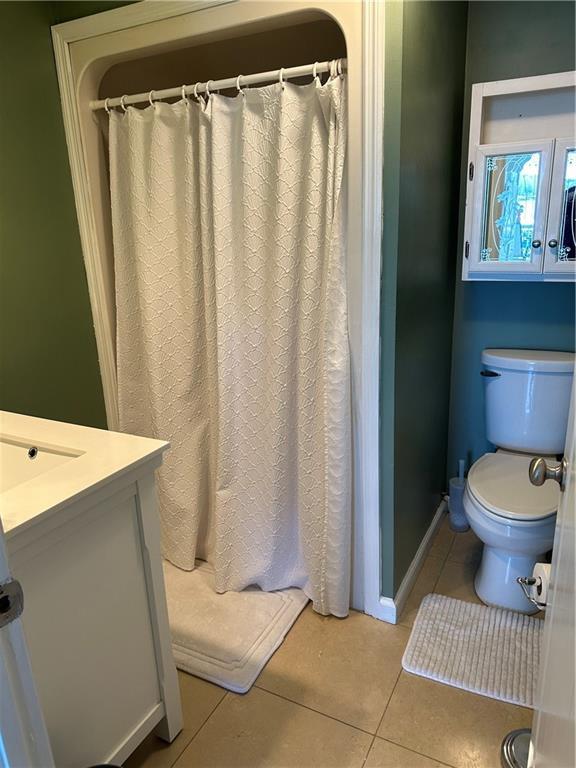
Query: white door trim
{"type": "Point", "coordinates": [373, 160]}
{"type": "Point", "coordinates": [366, 356]}
{"type": "Point", "coordinates": [23, 735]}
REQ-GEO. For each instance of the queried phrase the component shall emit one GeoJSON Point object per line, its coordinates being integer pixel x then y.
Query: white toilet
{"type": "Point", "coordinates": [527, 402]}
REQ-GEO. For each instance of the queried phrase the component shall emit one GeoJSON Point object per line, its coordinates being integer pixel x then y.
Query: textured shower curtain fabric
{"type": "Point", "coordinates": [228, 224]}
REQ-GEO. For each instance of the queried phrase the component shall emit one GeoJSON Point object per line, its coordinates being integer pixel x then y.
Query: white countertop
{"type": "Point", "coordinates": [99, 456]}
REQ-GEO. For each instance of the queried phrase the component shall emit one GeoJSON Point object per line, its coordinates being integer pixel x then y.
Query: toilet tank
{"type": "Point", "coordinates": [527, 398]}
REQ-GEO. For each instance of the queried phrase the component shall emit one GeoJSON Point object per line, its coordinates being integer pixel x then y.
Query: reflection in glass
{"type": "Point", "coordinates": [566, 244]}
{"type": "Point", "coordinates": [510, 194]}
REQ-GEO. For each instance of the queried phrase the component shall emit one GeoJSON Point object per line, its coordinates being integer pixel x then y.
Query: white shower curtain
{"type": "Point", "coordinates": [228, 223]}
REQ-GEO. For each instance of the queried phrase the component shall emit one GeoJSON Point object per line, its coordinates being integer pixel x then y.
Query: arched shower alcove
{"type": "Point", "coordinates": [123, 48]}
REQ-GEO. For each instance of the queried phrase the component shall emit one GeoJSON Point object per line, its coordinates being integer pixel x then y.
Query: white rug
{"type": "Point", "coordinates": [491, 651]}
{"type": "Point", "coordinates": [227, 638]}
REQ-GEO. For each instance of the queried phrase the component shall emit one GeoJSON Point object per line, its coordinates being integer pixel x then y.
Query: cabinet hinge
{"type": "Point", "coordinates": [11, 602]}
{"type": "Point", "coordinates": [471, 171]}
{"type": "Point", "coordinates": [466, 249]}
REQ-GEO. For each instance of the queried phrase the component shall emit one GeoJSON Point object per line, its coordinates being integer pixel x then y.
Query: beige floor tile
{"type": "Point", "coordinates": [456, 727]}
{"type": "Point", "coordinates": [443, 540]}
{"type": "Point", "coordinates": [155, 753]}
{"type": "Point", "coordinates": [260, 729]}
{"type": "Point", "coordinates": [384, 754]}
{"type": "Point", "coordinates": [424, 584]}
{"type": "Point", "coordinates": [466, 548]}
{"type": "Point", "coordinates": [457, 580]}
{"type": "Point", "coordinates": [199, 699]}
{"type": "Point", "coordinates": [345, 668]}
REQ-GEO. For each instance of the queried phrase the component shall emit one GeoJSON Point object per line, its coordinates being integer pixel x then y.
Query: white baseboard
{"type": "Point", "coordinates": [389, 609]}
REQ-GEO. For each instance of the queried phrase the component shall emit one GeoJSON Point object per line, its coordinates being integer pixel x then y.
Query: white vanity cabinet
{"type": "Point", "coordinates": [78, 506]}
{"type": "Point", "coordinates": [521, 186]}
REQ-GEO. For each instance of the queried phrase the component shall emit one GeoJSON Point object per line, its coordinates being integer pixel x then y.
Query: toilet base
{"type": "Point", "coordinates": [495, 581]}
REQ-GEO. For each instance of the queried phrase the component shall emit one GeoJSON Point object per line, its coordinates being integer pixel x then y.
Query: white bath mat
{"type": "Point", "coordinates": [491, 651]}
{"type": "Point", "coordinates": [227, 638]}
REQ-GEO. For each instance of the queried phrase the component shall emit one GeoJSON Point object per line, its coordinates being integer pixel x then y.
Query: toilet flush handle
{"type": "Point", "coordinates": [539, 472]}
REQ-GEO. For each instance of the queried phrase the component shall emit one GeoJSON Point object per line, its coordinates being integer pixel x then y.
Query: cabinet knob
{"type": "Point", "coordinates": [553, 243]}
{"type": "Point", "coordinates": [536, 243]}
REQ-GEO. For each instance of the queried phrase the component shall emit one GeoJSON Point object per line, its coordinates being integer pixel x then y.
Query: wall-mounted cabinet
{"type": "Point", "coordinates": [521, 187]}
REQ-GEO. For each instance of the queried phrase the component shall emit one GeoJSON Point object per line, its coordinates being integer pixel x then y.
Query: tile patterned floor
{"type": "Point", "coordinates": [335, 696]}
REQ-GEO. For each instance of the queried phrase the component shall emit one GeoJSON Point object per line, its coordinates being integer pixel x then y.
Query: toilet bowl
{"type": "Point", "coordinates": [527, 398]}
{"type": "Point", "coordinates": [514, 519]}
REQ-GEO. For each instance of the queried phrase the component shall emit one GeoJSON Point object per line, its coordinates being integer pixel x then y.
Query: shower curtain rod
{"type": "Point", "coordinates": [239, 82]}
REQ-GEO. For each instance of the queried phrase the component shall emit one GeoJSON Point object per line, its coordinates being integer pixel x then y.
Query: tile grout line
{"type": "Point", "coordinates": [197, 731]}
{"type": "Point", "coordinates": [415, 751]}
{"type": "Point", "coordinates": [438, 578]}
{"type": "Point", "coordinates": [465, 563]}
{"type": "Point", "coordinates": [389, 740]}
{"type": "Point", "coordinates": [332, 717]}
{"type": "Point", "coordinates": [311, 709]}
{"type": "Point", "coordinates": [445, 559]}
{"type": "Point", "coordinates": [184, 748]}
{"type": "Point", "coordinates": [389, 699]}
{"type": "Point", "coordinates": [380, 721]}
{"type": "Point", "coordinates": [382, 717]}
{"type": "Point", "coordinates": [368, 751]}
{"type": "Point", "coordinates": [447, 555]}
{"type": "Point", "coordinates": [342, 722]}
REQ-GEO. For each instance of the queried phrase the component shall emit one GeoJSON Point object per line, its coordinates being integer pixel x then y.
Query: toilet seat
{"type": "Point", "coordinates": [499, 483]}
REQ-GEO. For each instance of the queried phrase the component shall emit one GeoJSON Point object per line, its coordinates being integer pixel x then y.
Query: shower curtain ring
{"type": "Point", "coordinates": [184, 96]}
{"type": "Point", "coordinates": [315, 77]}
{"type": "Point", "coordinates": [122, 102]}
{"type": "Point", "coordinates": [208, 93]}
{"type": "Point", "coordinates": [240, 90]}
{"type": "Point", "coordinates": [151, 98]}
{"type": "Point", "coordinates": [281, 78]}
{"type": "Point", "coordinates": [106, 106]}
{"type": "Point", "coordinates": [195, 92]}
{"type": "Point", "coordinates": [339, 67]}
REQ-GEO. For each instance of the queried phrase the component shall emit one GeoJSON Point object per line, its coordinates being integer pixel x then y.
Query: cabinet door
{"type": "Point", "coordinates": [511, 188]}
{"type": "Point", "coordinates": [560, 255]}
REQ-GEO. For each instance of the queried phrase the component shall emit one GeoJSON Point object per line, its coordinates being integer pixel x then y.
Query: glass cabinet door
{"type": "Point", "coordinates": [560, 240]}
{"type": "Point", "coordinates": [511, 189]}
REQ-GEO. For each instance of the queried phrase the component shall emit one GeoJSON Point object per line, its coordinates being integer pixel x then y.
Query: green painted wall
{"type": "Point", "coordinates": [48, 360]}
{"type": "Point", "coordinates": [505, 39]}
{"type": "Point", "coordinates": [425, 55]}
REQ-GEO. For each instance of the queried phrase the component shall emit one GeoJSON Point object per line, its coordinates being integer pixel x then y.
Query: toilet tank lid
{"type": "Point", "coordinates": [541, 360]}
